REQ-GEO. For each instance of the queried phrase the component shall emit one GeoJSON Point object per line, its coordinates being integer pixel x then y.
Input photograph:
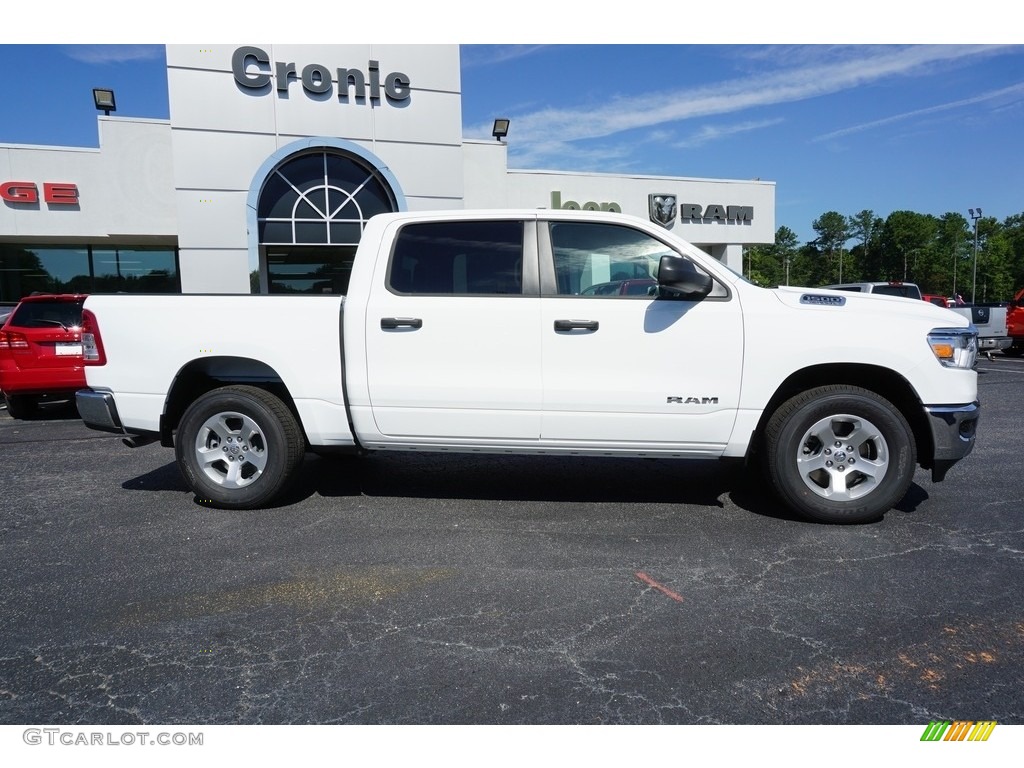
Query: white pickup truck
{"type": "Point", "coordinates": [475, 331]}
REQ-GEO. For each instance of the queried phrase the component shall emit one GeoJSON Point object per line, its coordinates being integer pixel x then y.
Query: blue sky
{"type": "Point", "coordinates": [930, 127]}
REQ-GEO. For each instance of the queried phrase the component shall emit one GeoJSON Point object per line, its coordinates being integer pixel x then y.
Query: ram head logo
{"type": "Point", "coordinates": [662, 208]}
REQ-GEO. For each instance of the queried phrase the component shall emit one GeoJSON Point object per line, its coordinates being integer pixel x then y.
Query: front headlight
{"type": "Point", "coordinates": [955, 347]}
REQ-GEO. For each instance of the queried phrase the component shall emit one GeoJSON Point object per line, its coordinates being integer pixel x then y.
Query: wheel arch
{"type": "Point", "coordinates": [882, 381]}
{"type": "Point", "coordinates": [200, 376]}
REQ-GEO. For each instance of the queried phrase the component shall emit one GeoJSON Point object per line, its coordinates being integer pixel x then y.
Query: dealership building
{"type": "Point", "coordinates": [273, 159]}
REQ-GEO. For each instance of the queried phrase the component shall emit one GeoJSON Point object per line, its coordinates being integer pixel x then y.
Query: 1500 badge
{"type": "Point", "coordinates": [823, 301]}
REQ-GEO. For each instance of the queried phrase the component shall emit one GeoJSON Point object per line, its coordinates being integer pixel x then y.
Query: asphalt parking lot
{"type": "Point", "coordinates": [440, 589]}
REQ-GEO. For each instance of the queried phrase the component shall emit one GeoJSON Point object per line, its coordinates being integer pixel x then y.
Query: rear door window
{"type": "Point", "coordinates": [469, 258]}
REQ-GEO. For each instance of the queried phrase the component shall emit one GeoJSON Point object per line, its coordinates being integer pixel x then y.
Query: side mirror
{"type": "Point", "coordinates": [678, 278]}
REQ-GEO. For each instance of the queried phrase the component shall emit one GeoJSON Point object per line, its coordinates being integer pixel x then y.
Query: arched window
{"type": "Point", "coordinates": [310, 216]}
{"type": "Point", "coordinates": [321, 198]}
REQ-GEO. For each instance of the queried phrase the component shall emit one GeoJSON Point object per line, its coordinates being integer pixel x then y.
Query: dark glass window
{"type": "Point", "coordinates": [906, 291]}
{"type": "Point", "coordinates": [47, 314]}
{"type": "Point", "coordinates": [307, 196]}
{"type": "Point", "coordinates": [309, 270]}
{"type": "Point", "coordinates": [458, 257]}
{"type": "Point", "coordinates": [135, 270]}
{"type": "Point", "coordinates": [26, 269]}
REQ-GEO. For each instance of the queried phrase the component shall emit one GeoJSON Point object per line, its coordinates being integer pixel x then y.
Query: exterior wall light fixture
{"type": "Point", "coordinates": [103, 98]}
{"type": "Point", "coordinates": [500, 130]}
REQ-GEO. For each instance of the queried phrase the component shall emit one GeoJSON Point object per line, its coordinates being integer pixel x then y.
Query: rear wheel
{"type": "Point", "coordinates": [238, 447]}
{"type": "Point", "coordinates": [21, 406]}
{"type": "Point", "coordinates": [840, 454]}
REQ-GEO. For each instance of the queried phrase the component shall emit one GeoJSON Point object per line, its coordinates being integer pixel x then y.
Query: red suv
{"type": "Point", "coordinates": [41, 352]}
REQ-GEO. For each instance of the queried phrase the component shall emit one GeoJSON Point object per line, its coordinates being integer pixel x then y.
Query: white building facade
{"type": "Point", "coordinates": [273, 159]}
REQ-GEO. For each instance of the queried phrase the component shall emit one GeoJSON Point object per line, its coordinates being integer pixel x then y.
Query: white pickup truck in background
{"type": "Point", "coordinates": [993, 333]}
{"type": "Point", "coordinates": [990, 320]}
{"type": "Point", "coordinates": [474, 331]}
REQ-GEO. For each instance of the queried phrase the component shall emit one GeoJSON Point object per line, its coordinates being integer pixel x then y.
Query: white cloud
{"type": "Point", "coordinates": [709, 133]}
{"type": "Point", "coordinates": [484, 55]}
{"type": "Point", "coordinates": [997, 95]}
{"type": "Point", "coordinates": [822, 71]}
{"type": "Point", "coordinates": [113, 54]}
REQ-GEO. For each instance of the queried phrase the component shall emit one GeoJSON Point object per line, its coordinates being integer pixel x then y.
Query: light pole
{"type": "Point", "coordinates": [975, 215]}
{"type": "Point", "coordinates": [956, 244]}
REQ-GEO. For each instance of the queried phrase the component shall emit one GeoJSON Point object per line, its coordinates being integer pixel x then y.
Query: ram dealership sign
{"type": "Point", "coordinates": [664, 209]}
{"type": "Point", "coordinates": [254, 71]}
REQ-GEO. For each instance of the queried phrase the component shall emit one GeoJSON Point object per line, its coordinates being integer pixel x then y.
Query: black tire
{"type": "Point", "coordinates": [238, 447]}
{"type": "Point", "coordinates": [840, 454]}
{"type": "Point", "coordinates": [21, 406]}
{"type": "Point", "coordinates": [1014, 351]}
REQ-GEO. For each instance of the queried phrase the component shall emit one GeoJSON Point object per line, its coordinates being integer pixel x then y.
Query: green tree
{"type": "Point", "coordinates": [833, 232]}
{"type": "Point", "coordinates": [865, 227]}
{"type": "Point", "coordinates": [952, 251]}
{"type": "Point", "coordinates": [935, 252]}
{"type": "Point", "coordinates": [1013, 229]}
{"type": "Point", "coordinates": [768, 265]}
{"type": "Point", "coordinates": [784, 250]}
{"type": "Point", "coordinates": [907, 240]}
{"type": "Point", "coordinates": [809, 266]}
{"type": "Point", "coordinates": [995, 262]}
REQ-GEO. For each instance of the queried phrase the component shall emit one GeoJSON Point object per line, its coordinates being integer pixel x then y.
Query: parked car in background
{"type": "Point", "coordinates": [939, 301]}
{"type": "Point", "coordinates": [886, 288]}
{"type": "Point", "coordinates": [41, 352]}
{"type": "Point", "coordinates": [1015, 325]}
{"type": "Point", "coordinates": [991, 322]}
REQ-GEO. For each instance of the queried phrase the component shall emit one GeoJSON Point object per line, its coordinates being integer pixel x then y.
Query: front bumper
{"type": "Point", "coordinates": [953, 429]}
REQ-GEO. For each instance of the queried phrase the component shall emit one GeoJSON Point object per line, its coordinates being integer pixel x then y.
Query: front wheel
{"type": "Point", "coordinates": [238, 447]}
{"type": "Point", "coordinates": [840, 454]}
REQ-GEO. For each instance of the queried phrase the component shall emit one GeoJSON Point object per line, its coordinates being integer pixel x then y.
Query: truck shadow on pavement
{"type": "Point", "coordinates": [559, 479]}
{"type": "Point", "coordinates": [538, 478]}
{"type": "Point", "coordinates": [524, 478]}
